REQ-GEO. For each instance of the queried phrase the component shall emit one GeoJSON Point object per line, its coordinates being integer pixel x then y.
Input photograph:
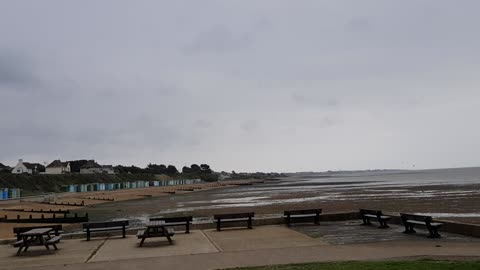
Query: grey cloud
{"type": "Point", "coordinates": [285, 86]}
{"type": "Point", "coordinates": [220, 39]}
{"type": "Point", "coordinates": [15, 71]}
{"type": "Point", "coordinates": [314, 99]}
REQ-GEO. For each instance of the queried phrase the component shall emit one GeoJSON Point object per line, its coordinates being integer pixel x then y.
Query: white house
{"type": "Point", "coordinates": [25, 167]}
{"type": "Point", "coordinates": [58, 167]}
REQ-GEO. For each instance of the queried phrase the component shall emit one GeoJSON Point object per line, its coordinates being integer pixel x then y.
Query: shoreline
{"type": "Point", "coordinates": [124, 195]}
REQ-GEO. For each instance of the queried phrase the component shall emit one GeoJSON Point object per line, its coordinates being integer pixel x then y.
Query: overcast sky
{"type": "Point", "coordinates": [260, 85]}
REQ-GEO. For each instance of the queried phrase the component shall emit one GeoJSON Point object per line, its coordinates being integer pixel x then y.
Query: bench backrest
{"type": "Point", "coordinates": [173, 219]}
{"type": "Point", "coordinates": [236, 215]}
{"type": "Point", "coordinates": [19, 230]}
{"type": "Point", "coordinates": [108, 224]}
{"type": "Point", "coordinates": [426, 219]}
{"type": "Point", "coordinates": [370, 212]}
{"type": "Point", "coordinates": [303, 212]}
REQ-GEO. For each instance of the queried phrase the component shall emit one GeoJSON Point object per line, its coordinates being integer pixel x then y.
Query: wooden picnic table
{"type": "Point", "coordinates": [36, 237]}
{"type": "Point", "coordinates": [156, 228]}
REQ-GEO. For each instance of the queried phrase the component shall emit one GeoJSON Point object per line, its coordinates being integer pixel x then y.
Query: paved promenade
{"type": "Point", "coordinates": [209, 249]}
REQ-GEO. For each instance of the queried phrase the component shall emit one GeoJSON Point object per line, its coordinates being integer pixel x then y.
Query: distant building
{"type": "Point", "coordinates": [58, 167]}
{"type": "Point", "coordinates": [76, 165]}
{"type": "Point", "coordinates": [108, 169]}
{"type": "Point", "coordinates": [91, 167]}
{"type": "Point", "coordinates": [30, 168]}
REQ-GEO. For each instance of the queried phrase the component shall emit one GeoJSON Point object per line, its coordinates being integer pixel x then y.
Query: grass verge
{"type": "Point", "coordinates": [403, 265]}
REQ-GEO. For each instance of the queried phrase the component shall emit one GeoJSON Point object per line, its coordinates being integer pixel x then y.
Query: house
{"type": "Point", "coordinates": [90, 167]}
{"type": "Point", "coordinates": [108, 169]}
{"type": "Point", "coordinates": [76, 165]}
{"type": "Point", "coordinates": [58, 167]}
{"type": "Point", "coordinates": [93, 167]}
{"type": "Point", "coordinates": [26, 167]}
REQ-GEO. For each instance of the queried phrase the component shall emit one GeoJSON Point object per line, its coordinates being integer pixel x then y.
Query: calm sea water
{"type": "Point", "coordinates": [453, 184]}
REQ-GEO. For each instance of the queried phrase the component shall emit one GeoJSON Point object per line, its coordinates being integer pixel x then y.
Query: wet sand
{"type": "Point", "coordinates": [92, 200]}
{"type": "Point", "coordinates": [458, 202]}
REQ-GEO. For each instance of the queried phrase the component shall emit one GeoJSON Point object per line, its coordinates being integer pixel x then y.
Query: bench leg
{"type": "Point", "coordinates": [409, 228]}
{"type": "Point", "coordinates": [218, 225]}
{"type": "Point", "coordinates": [288, 221]}
{"type": "Point", "coordinates": [19, 250]}
{"type": "Point", "coordinates": [317, 219]}
{"type": "Point", "coordinates": [124, 231]}
{"type": "Point", "coordinates": [433, 233]}
{"type": "Point", "coordinates": [250, 223]}
{"type": "Point", "coordinates": [187, 230]}
{"type": "Point", "coordinates": [88, 234]}
{"type": "Point", "coordinates": [143, 240]}
{"type": "Point", "coordinates": [383, 224]}
{"type": "Point", "coordinates": [366, 221]}
{"type": "Point", "coordinates": [169, 239]}
{"type": "Point", "coordinates": [55, 246]}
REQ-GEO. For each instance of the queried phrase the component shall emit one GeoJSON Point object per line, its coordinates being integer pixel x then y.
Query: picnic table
{"type": "Point", "coordinates": [156, 228]}
{"type": "Point", "coordinates": [36, 237]}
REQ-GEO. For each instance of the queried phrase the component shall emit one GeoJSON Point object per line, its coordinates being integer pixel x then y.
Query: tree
{"type": "Point", "coordinates": [186, 170]}
{"type": "Point", "coordinates": [171, 170]}
{"type": "Point", "coordinates": [205, 168]}
{"type": "Point", "coordinates": [195, 168]}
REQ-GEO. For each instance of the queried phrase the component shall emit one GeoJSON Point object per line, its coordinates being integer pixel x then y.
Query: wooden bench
{"type": "Point", "coordinates": [120, 225]}
{"type": "Point", "coordinates": [176, 221]}
{"type": "Point", "coordinates": [368, 214]}
{"type": "Point", "coordinates": [302, 216]}
{"type": "Point", "coordinates": [232, 218]}
{"type": "Point", "coordinates": [410, 220]}
{"type": "Point", "coordinates": [57, 229]}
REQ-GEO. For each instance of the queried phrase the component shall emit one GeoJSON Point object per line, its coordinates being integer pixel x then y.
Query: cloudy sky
{"type": "Point", "coordinates": [242, 85]}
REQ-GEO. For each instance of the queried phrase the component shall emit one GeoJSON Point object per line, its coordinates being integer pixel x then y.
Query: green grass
{"type": "Point", "coordinates": [404, 265]}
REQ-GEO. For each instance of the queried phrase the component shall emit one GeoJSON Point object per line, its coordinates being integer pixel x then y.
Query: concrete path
{"type": "Point", "coordinates": [209, 249]}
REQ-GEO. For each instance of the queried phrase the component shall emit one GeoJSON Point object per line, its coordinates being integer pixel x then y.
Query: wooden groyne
{"type": "Point", "coordinates": [54, 219]}
{"type": "Point", "coordinates": [65, 203]}
{"type": "Point", "coordinates": [101, 199]}
{"type": "Point", "coordinates": [49, 211]}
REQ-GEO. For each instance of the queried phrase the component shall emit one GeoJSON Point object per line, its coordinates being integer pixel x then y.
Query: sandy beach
{"type": "Point", "coordinates": [391, 192]}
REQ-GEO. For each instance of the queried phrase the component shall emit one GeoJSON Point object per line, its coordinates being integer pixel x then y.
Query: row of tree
{"type": "Point", "coordinates": [202, 171]}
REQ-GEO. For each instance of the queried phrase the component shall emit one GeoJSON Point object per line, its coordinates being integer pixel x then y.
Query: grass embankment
{"type": "Point", "coordinates": [41, 183]}
{"type": "Point", "coordinates": [405, 265]}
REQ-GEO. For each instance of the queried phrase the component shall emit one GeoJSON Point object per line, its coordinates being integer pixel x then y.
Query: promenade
{"type": "Point", "coordinates": [264, 245]}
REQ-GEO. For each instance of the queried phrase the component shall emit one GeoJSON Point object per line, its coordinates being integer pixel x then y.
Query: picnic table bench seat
{"type": "Point", "coordinates": [53, 241]}
{"type": "Point", "coordinates": [155, 232]}
{"type": "Point", "coordinates": [234, 218]}
{"type": "Point", "coordinates": [367, 214]}
{"type": "Point", "coordinates": [141, 233]}
{"type": "Point", "coordinates": [119, 225]}
{"type": "Point", "coordinates": [292, 216]}
{"type": "Point", "coordinates": [409, 220]}
{"type": "Point", "coordinates": [18, 243]}
{"type": "Point", "coordinates": [37, 237]}
{"type": "Point", "coordinates": [176, 221]}
{"type": "Point", "coordinates": [56, 229]}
